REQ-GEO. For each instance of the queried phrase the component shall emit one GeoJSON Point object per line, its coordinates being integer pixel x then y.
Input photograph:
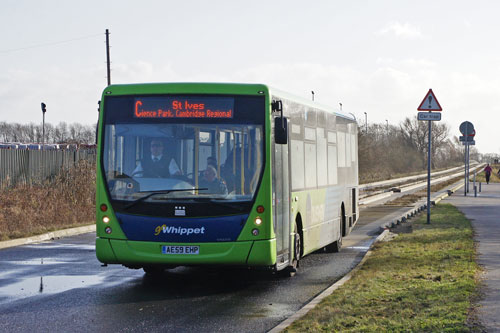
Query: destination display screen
{"type": "Point", "coordinates": [184, 107]}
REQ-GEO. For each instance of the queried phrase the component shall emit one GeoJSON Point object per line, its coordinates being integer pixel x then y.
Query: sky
{"type": "Point", "coordinates": [378, 57]}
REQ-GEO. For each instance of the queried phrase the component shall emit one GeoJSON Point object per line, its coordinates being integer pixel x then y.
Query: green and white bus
{"type": "Point", "coordinates": [285, 171]}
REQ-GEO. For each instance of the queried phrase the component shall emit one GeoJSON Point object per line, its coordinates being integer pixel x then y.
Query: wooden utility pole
{"type": "Point", "coordinates": [107, 57]}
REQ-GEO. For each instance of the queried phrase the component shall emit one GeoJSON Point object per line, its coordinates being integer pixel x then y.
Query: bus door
{"type": "Point", "coordinates": [281, 201]}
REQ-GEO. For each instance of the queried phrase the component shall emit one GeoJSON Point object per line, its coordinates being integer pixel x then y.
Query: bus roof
{"type": "Point", "coordinates": [186, 88]}
{"type": "Point", "coordinates": [214, 88]}
{"type": "Point", "coordinates": [310, 103]}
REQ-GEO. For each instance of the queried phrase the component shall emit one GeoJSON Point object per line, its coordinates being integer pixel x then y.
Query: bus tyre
{"type": "Point", "coordinates": [297, 243]}
{"type": "Point", "coordinates": [337, 245]}
{"type": "Point", "coordinates": [153, 270]}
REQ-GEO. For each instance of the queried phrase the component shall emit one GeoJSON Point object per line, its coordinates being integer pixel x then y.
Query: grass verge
{"type": "Point", "coordinates": [423, 281]}
{"type": "Point", "coordinates": [67, 200]}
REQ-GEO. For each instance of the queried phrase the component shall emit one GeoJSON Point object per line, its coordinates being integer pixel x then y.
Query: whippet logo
{"type": "Point", "coordinates": [178, 230]}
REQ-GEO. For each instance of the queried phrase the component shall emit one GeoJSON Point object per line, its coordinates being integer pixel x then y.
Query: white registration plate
{"type": "Point", "coordinates": [175, 249]}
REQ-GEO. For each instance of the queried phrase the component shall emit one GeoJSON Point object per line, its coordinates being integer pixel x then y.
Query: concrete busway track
{"type": "Point", "coordinates": [409, 184]}
{"type": "Point", "coordinates": [57, 284]}
{"type": "Point", "coordinates": [404, 180]}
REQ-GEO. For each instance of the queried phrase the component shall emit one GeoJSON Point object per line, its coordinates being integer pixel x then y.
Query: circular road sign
{"type": "Point", "coordinates": [466, 128]}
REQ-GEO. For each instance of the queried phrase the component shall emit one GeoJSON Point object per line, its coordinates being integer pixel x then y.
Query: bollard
{"type": "Point", "coordinates": [475, 191]}
{"type": "Point", "coordinates": [474, 182]}
{"type": "Point", "coordinates": [479, 187]}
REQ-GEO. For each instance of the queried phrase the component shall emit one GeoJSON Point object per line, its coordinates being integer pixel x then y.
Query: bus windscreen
{"type": "Point", "coordinates": [205, 148]}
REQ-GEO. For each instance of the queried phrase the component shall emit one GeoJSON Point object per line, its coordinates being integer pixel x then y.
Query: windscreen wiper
{"type": "Point", "coordinates": [152, 193]}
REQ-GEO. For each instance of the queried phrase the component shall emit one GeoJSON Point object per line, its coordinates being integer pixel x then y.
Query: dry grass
{"type": "Point", "coordinates": [66, 201]}
{"type": "Point", "coordinates": [410, 199]}
{"type": "Point", "coordinates": [365, 178]}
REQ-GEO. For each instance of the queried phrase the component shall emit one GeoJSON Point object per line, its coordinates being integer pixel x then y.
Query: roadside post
{"type": "Point", "coordinates": [474, 180]}
{"type": "Point", "coordinates": [429, 104]}
{"type": "Point", "coordinates": [44, 109]}
{"type": "Point", "coordinates": [467, 138]}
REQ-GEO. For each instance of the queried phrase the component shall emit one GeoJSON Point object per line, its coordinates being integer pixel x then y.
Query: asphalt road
{"type": "Point", "coordinates": [59, 286]}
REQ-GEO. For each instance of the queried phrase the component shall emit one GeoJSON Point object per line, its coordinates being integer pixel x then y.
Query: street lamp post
{"type": "Point", "coordinates": [387, 125]}
{"type": "Point", "coordinates": [44, 109]}
{"type": "Point", "coordinates": [366, 122]}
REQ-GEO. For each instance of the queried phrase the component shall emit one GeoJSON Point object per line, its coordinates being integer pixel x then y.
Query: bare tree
{"type": "Point", "coordinates": [387, 151]}
{"type": "Point", "coordinates": [61, 133]}
{"type": "Point", "coordinates": [32, 133]}
{"type": "Point", "coordinates": [3, 131]}
{"type": "Point", "coordinates": [415, 134]}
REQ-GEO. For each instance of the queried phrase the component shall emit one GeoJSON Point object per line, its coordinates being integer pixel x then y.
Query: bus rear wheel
{"type": "Point", "coordinates": [337, 245]}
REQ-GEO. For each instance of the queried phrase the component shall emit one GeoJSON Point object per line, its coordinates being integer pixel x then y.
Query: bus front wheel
{"type": "Point", "coordinates": [153, 270]}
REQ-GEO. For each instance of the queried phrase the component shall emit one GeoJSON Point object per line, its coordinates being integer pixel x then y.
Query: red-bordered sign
{"type": "Point", "coordinates": [430, 103]}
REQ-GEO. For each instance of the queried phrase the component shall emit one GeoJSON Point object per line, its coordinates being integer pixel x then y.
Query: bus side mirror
{"type": "Point", "coordinates": [281, 130]}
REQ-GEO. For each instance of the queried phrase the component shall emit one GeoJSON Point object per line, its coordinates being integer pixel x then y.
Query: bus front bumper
{"type": "Point", "coordinates": [249, 253]}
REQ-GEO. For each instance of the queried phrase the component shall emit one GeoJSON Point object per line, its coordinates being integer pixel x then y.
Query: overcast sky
{"type": "Point", "coordinates": [378, 57]}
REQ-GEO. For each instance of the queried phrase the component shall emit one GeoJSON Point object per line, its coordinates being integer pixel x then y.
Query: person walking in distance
{"type": "Point", "coordinates": [487, 173]}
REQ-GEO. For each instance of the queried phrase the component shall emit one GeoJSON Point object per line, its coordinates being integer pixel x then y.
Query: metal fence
{"type": "Point", "coordinates": [21, 166]}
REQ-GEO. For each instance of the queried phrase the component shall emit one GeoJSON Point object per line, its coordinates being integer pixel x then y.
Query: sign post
{"type": "Point", "coordinates": [429, 103]}
{"type": "Point", "coordinates": [468, 132]}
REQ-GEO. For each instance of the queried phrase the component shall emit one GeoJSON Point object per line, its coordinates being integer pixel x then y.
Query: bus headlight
{"type": "Point", "coordinates": [108, 230]}
{"type": "Point", "coordinates": [258, 220]}
{"type": "Point", "coordinates": [255, 232]}
{"type": "Point", "coordinates": [105, 219]}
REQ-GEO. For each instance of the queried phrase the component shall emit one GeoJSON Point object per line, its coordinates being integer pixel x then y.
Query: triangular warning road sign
{"type": "Point", "coordinates": [430, 103]}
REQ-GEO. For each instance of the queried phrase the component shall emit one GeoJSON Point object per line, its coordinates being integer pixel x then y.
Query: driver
{"type": "Point", "coordinates": [157, 164]}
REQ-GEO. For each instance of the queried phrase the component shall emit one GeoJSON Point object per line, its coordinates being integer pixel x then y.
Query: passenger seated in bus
{"type": "Point", "coordinates": [211, 182]}
{"type": "Point", "coordinates": [157, 165]}
{"type": "Point", "coordinates": [212, 161]}
{"type": "Point", "coordinates": [232, 173]}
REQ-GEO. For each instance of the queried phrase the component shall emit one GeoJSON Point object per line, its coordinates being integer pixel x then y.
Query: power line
{"type": "Point", "coordinates": [48, 44]}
